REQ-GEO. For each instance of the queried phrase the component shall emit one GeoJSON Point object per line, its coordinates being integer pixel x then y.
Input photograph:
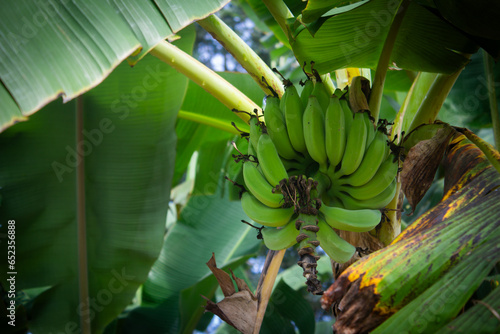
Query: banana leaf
{"type": "Point", "coordinates": [480, 318]}
{"type": "Point", "coordinates": [126, 159]}
{"type": "Point", "coordinates": [61, 48]}
{"type": "Point", "coordinates": [356, 38]}
{"type": "Point", "coordinates": [461, 228]}
{"type": "Point", "coordinates": [206, 225]}
{"type": "Point", "coordinates": [446, 297]}
{"type": "Point", "coordinates": [315, 9]}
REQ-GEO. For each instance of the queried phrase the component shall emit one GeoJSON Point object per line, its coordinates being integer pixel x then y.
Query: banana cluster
{"type": "Point", "coordinates": [317, 164]}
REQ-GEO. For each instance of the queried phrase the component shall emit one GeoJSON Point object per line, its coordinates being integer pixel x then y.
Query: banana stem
{"type": "Point", "coordinates": [383, 62]}
{"type": "Point", "coordinates": [213, 83]}
{"type": "Point", "coordinates": [488, 68]}
{"type": "Point", "coordinates": [281, 13]}
{"type": "Point", "coordinates": [434, 99]}
{"type": "Point", "coordinates": [327, 81]}
{"type": "Point", "coordinates": [83, 279]}
{"type": "Point", "coordinates": [266, 284]}
{"type": "Point", "coordinates": [489, 151]}
{"type": "Point", "coordinates": [412, 103]}
{"type": "Point", "coordinates": [210, 121]}
{"type": "Point", "coordinates": [243, 53]}
{"type": "Point", "coordinates": [390, 228]}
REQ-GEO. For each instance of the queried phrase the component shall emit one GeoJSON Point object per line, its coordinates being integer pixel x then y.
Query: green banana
{"type": "Point", "coordinates": [348, 115]}
{"type": "Point", "coordinates": [282, 238]}
{"type": "Point", "coordinates": [306, 91]}
{"type": "Point", "coordinates": [314, 132]}
{"type": "Point", "coordinates": [382, 179]}
{"type": "Point", "coordinates": [293, 117]}
{"type": "Point", "coordinates": [377, 202]}
{"type": "Point", "coordinates": [269, 161]}
{"type": "Point", "coordinates": [276, 128]}
{"type": "Point", "coordinates": [262, 214]}
{"type": "Point", "coordinates": [334, 246]}
{"type": "Point", "coordinates": [285, 95]}
{"type": "Point", "coordinates": [259, 186]}
{"type": "Point", "coordinates": [373, 158]}
{"type": "Point", "coordinates": [370, 129]}
{"type": "Point", "coordinates": [322, 95]}
{"type": "Point", "coordinates": [234, 169]}
{"type": "Point", "coordinates": [355, 145]}
{"type": "Point", "coordinates": [351, 220]}
{"type": "Point", "coordinates": [335, 137]}
{"type": "Point", "coordinates": [255, 130]}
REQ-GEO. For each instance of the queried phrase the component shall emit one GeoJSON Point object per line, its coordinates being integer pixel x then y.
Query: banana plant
{"type": "Point", "coordinates": [112, 202]}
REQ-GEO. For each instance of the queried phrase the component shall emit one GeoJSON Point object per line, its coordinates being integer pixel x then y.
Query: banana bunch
{"type": "Point", "coordinates": [365, 176]}
{"type": "Point", "coordinates": [314, 166]}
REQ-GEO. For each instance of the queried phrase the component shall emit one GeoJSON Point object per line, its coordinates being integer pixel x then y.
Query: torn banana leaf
{"type": "Point", "coordinates": [461, 228]}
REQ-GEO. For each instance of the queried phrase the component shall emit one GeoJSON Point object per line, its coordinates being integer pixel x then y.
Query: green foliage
{"type": "Point", "coordinates": [135, 148]}
{"type": "Point", "coordinates": [128, 171]}
{"type": "Point", "coordinates": [356, 38]}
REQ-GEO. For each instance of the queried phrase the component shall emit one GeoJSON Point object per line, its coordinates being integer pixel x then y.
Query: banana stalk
{"type": "Point", "coordinates": [243, 53]}
{"type": "Point", "coordinates": [213, 83]}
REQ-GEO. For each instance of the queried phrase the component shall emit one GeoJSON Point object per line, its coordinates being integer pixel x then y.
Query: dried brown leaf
{"type": "Point", "coordinates": [421, 164]}
{"type": "Point", "coordinates": [358, 93]}
{"type": "Point", "coordinates": [238, 309]}
{"type": "Point", "coordinates": [222, 277]}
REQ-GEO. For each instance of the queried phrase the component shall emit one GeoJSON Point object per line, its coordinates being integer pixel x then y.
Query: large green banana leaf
{"type": "Point", "coordinates": [65, 48]}
{"type": "Point", "coordinates": [468, 102]}
{"type": "Point", "coordinates": [128, 159]}
{"type": "Point", "coordinates": [356, 38]}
